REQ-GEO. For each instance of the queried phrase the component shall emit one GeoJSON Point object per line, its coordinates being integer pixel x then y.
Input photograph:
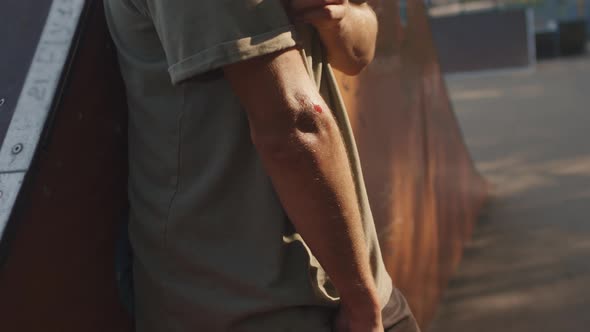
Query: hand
{"type": "Point", "coordinates": [345, 322]}
{"type": "Point", "coordinates": [320, 13]}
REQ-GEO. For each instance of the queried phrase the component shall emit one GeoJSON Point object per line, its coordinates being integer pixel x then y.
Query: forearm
{"type": "Point", "coordinates": [312, 177]}
{"type": "Point", "coordinates": [350, 42]}
{"type": "Point", "coordinates": [302, 151]}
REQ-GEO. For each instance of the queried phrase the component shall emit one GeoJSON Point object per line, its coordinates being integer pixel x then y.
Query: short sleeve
{"type": "Point", "coordinates": [198, 36]}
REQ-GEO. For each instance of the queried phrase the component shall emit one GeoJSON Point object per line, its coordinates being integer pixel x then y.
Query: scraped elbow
{"type": "Point", "coordinates": [306, 134]}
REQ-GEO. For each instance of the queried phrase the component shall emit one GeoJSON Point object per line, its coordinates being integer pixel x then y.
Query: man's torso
{"type": "Point", "coordinates": [214, 248]}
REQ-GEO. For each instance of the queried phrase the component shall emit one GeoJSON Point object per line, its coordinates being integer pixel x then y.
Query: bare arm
{"type": "Point", "coordinates": [348, 30]}
{"type": "Point", "coordinates": [302, 150]}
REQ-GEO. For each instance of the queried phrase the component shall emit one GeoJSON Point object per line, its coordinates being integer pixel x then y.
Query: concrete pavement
{"type": "Point", "coordinates": [528, 266]}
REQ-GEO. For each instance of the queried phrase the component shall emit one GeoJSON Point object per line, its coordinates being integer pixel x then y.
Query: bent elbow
{"type": "Point", "coordinates": [286, 149]}
{"type": "Point", "coordinates": [307, 134]}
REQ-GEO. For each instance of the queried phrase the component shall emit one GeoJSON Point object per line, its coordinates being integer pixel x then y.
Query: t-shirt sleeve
{"type": "Point", "coordinates": [198, 36]}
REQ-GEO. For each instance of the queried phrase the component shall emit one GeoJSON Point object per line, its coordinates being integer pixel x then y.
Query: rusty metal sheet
{"type": "Point", "coordinates": [424, 191]}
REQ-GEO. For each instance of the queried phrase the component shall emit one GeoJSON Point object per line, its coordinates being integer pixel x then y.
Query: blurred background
{"type": "Point", "coordinates": [518, 74]}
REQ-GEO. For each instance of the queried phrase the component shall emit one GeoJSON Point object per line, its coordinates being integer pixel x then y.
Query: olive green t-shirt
{"type": "Point", "coordinates": [214, 248]}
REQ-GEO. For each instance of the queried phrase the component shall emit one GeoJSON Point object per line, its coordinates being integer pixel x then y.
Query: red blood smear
{"type": "Point", "coordinates": [318, 108]}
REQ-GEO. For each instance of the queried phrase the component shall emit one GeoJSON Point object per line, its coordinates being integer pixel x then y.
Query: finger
{"type": "Point", "coordinates": [304, 5]}
{"type": "Point", "coordinates": [326, 13]}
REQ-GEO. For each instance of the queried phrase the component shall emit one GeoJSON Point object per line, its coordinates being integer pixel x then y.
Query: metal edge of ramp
{"type": "Point", "coordinates": [36, 100]}
{"type": "Point", "coordinates": [58, 272]}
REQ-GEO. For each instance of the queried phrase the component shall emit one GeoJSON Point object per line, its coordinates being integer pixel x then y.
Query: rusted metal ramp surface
{"type": "Point", "coordinates": [63, 164]}
{"type": "Point", "coordinates": [424, 191]}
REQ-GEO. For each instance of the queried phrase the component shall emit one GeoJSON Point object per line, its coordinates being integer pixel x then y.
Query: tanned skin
{"type": "Point", "coordinates": [302, 150]}
{"type": "Point", "coordinates": [348, 30]}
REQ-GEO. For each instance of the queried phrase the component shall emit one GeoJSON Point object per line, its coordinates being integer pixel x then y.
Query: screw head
{"type": "Point", "coordinates": [18, 148]}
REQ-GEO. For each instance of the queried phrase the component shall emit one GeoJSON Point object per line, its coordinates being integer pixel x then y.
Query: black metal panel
{"type": "Point", "coordinates": [572, 37]}
{"type": "Point", "coordinates": [483, 41]}
{"type": "Point", "coordinates": [20, 28]}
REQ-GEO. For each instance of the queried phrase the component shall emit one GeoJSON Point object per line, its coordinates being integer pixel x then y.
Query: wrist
{"type": "Point", "coordinates": [363, 304]}
{"type": "Point", "coordinates": [371, 315]}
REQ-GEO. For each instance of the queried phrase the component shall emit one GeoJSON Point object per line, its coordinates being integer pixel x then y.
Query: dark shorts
{"type": "Point", "coordinates": [397, 316]}
{"type": "Point", "coordinates": [407, 324]}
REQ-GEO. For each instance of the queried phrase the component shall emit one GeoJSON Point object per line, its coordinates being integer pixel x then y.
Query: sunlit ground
{"type": "Point", "coordinates": [528, 267]}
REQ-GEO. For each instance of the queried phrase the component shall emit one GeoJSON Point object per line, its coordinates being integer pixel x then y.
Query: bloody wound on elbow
{"type": "Point", "coordinates": [303, 101]}
{"type": "Point", "coordinates": [318, 108]}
